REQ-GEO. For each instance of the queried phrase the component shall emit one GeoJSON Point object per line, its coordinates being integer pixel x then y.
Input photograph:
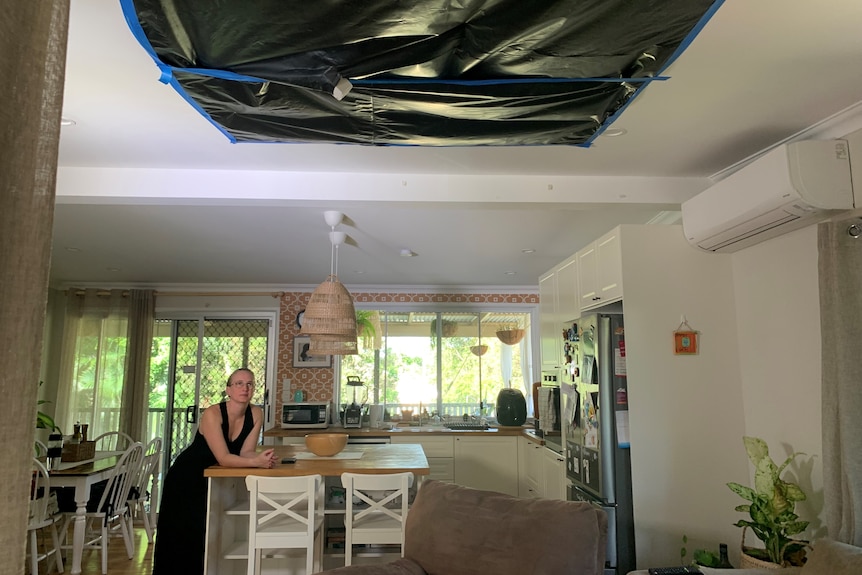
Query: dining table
{"type": "Point", "coordinates": [81, 475]}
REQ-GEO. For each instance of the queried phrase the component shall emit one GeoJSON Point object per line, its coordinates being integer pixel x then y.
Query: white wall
{"type": "Point", "coordinates": [778, 313]}
{"type": "Point", "coordinates": [686, 410]}
{"type": "Point", "coordinates": [757, 373]}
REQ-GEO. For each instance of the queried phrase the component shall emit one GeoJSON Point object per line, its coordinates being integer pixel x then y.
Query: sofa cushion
{"type": "Point", "coordinates": [785, 571]}
{"type": "Point", "coordinates": [397, 567]}
{"type": "Point", "coordinates": [828, 557]}
{"type": "Point", "coordinates": [453, 530]}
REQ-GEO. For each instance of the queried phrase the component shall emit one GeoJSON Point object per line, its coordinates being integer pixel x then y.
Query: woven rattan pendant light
{"type": "Point", "coordinates": [330, 318]}
{"type": "Point", "coordinates": [325, 344]}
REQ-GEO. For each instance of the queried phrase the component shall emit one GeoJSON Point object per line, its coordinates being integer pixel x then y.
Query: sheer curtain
{"type": "Point", "coordinates": [104, 363]}
{"type": "Point", "coordinates": [840, 263]}
{"type": "Point", "coordinates": [32, 61]}
{"type": "Point", "coordinates": [136, 386]}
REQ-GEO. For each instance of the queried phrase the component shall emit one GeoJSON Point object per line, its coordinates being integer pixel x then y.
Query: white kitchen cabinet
{"type": "Point", "coordinates": [553, 474]}
{"type": "Point", "coordinates": [530, 468]}
{"type": "Point", "coordinates": [559, 306]}
{"type": "Point", "coordinates": [489, 463]}
{"type": "Point", "coordinates": [609, 266]}
{"type": "Point", "coordinates": [549, 336]}
{"type": "Point", "coordinates": [568, 300]}
{"type": "Point", "coordinates": [439, 451]}
{"type": "Point", "coordinates": [600, 271]}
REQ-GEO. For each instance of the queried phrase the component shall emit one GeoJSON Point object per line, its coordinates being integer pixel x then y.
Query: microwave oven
{"type": "Point", "coordinates": [312, 414]}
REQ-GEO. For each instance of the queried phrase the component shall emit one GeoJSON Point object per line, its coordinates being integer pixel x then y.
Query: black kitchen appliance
{"type": "Point", "coordinates": [353, 412]}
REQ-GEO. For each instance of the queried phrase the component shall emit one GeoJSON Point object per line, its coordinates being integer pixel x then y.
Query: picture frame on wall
{"type": "Point", "coordinates": [301, 357]}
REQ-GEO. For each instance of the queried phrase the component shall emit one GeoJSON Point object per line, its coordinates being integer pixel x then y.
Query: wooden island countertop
{"type": "Point", "coordinates": [375, 459]}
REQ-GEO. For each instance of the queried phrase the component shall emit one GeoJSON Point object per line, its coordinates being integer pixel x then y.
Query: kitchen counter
{"type": "Point", "coordinates": [408, 430]}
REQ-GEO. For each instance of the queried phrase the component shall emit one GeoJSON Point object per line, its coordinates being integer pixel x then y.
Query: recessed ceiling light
{"type": "Point", "coordinates": [528, 251]}
{"type": "Point", "coordinates": [67, 122]}
{"type": "Point", "coordinates": [360, 272]}
{"type": "Point", "coordinates": [614, 132]}
{"type": "Point", "coordinates": [73, 249]}
{"type": "Point", "coordinates": [408, 253]}
{"type": "Point", "coordinates": [510, 273]}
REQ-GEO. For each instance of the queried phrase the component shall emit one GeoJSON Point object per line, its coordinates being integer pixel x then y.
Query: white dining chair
{"type": "Point", "coordinates": [376, 509]}
{"type": "Point", "coordinates": [285, 513]}
{"type": "Point", "coordinates": [141, 493]}
{"type": "Point", "coordinates": [113, 441]}
{"type": "Point", "coordinates": [108, 514]}
{"type": "Point", "coordinates": [42, 516]}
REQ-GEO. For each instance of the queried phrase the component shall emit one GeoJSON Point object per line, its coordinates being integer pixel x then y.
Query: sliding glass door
{"type": "Point", "coordinates": [192, 359]}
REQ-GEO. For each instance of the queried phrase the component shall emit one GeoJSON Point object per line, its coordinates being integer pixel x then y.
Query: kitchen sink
{"type": "Point", "coordinates": [467, 426]}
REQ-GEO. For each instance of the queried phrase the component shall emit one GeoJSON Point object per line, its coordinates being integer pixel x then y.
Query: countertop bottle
{"type": "Point", "coordinates": [723, 561]}
{"type": "Point", "coordinates": [55, 450]}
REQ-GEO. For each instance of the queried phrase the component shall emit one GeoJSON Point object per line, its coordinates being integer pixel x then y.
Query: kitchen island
{"type": "Point", "coordinates": [487, 459]}
{"type": "Point", "coordinates": [227, 503]}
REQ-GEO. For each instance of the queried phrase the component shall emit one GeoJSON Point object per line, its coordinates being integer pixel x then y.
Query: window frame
{"type": "Point", "coordinates": [531, 310]}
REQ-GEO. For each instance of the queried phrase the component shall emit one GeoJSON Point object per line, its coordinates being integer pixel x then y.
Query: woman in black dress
{"type": "Point", "coordinates": [227, 436]}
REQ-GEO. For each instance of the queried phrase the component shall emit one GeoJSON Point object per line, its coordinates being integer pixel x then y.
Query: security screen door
{"type": "Point", "coordinates": [205, 352]}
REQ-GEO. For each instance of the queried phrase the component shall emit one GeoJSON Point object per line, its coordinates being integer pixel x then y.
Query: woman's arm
{"type": "Point", "coordinates": [210, 428]}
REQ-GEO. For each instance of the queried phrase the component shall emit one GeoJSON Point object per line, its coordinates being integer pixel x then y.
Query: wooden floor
{"type": "Point", "coordinates": [118, 562]}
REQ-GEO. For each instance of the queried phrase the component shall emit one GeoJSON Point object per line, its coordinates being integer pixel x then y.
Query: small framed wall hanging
{"type": "Point", "coordinates": [685, 339]}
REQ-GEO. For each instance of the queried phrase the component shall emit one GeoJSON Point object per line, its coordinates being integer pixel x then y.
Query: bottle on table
{"type": "Point", "coordinates": [723, 561]}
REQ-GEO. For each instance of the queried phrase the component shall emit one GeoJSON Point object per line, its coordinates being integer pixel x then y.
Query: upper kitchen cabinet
{"type": "Point", "coordinates": [549, 338]}
{"type": "Point", "coordinates": [558, 307]}
{"type": "Point", "coordinates": [600, 272]}
{"type": "Point", "coordinates": [568, 302]}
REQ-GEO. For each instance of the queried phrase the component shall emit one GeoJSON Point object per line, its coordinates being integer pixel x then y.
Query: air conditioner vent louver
{"type": "Point", "coordinates": [790, 187]}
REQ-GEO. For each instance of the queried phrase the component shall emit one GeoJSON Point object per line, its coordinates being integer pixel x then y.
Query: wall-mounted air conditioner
{"type": "Point", "coordinates": [789, 187]}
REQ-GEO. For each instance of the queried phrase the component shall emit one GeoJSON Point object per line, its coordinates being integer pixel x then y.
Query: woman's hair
{"type": "Point", "coordinates": [236, 371]}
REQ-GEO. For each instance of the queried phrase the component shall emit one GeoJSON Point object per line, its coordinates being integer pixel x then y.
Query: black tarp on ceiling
{"type": "Point", "coordinates": [420, 72]}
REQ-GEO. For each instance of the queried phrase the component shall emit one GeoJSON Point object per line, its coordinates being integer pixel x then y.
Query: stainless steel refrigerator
{"type": "Point", "coordinates": [594, 408]}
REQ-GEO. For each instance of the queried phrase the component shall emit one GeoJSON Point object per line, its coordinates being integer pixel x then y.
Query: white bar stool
{"type": "Point", "coordinates": [380, 513]}
{"type": "Point", "coordinates": [285, 513]}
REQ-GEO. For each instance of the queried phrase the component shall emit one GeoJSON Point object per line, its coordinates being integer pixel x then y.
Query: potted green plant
{"type": "Point", "coordinates": [367, 322]}
{"type": "Point", "coordinates": [705, 557]}
{"type": "Point", "coordinates": [43, 420]}
{"type": "Point", "coordinates": [771, 510]}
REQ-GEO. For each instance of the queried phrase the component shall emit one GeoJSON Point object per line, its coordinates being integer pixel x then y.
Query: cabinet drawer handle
{"type": "Point", "coordinates": [597, 298]}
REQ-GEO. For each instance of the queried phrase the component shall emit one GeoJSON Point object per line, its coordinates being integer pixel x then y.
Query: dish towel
{"type": "Point", "coordinates": [547, 413]}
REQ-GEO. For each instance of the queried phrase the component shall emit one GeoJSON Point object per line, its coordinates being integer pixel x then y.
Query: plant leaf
{"type": "Point", "coordinates": [743, 491]}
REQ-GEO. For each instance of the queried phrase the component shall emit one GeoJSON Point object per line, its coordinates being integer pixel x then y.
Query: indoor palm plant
{"type": "Point", "coordinates": [43, 420]}
{"type": "Point", "coordinates": [771, 509]}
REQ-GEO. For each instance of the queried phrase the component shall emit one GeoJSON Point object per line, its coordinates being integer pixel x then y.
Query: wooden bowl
{"type": "Point", "coordinates": [325, 444]}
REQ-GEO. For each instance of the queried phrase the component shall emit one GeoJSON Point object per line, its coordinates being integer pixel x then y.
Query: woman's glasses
{"type": "Point", "coordinates": [247, 384]}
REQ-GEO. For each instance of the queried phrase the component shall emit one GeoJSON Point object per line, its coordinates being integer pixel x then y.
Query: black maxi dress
{"type": "Point", "coordinates": [181, 529]}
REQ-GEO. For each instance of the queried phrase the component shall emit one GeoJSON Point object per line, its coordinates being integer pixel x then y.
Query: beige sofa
{"type": "Point", "coordinates": [827, 557]}
{"type": "Point", "coordinates": [453, 530]}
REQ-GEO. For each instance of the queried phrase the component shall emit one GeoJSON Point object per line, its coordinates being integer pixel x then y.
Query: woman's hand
{"type": "Point", "coordinates": [265, 459]}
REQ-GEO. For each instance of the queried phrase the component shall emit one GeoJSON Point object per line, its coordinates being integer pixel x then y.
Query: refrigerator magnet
{"type": "Point", "coordinates": [685, 340]}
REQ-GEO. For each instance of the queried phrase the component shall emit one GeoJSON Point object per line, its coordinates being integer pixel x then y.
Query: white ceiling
{"type": "Point", "coordinates": [149, 193]}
